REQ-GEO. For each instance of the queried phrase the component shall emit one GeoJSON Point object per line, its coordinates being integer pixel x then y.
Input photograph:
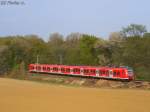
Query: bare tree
{"type": "Point", "coordinates": [134, 30]}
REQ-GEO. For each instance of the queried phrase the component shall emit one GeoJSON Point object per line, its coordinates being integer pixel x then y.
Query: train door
{"type": "Point", "coordinates": [81, 71]}
{"type": "Point", "coordinates": [51, 69]}
{"type": "Point", "coordinates": [97, 73]}
{"type": "Point", "coordinates": [71, 71]}
{"type": "Point", "coordinates": [59, 69]}
{"type": "Point", "coordinates": [110, 73]}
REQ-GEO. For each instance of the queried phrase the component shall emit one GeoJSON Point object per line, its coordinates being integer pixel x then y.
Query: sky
{"type": "Point", "coordinates": [95, 17]}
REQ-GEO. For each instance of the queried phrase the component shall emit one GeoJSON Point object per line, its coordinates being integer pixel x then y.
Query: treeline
{"type": "Point", "coordinates": [129, 47]}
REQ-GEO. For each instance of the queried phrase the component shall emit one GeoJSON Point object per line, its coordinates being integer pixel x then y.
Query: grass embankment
{"type": "Point", "coordinates": [79, 81]}
{"type": "Point", "coordinates": [85, 82]}
{"type": "Point", "coordinates": [27, 96]}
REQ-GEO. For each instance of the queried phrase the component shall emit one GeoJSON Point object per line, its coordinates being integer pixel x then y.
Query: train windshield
{"type": "Point", "coordinates": [129, 70]}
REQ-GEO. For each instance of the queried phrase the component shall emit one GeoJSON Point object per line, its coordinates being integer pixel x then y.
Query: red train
{"type": "Point", "coordinates": [122, 73]}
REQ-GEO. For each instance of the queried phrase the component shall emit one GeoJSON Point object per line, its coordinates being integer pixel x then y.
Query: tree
{"type": "Point", "coordinates": [56, 38]}
{"type": "Point", "coordinates": [133, 30]}
{"type": "Point", "coordinates": [35, 46]}
{"type": "Point", "coordinates": [146, 35]}
{"type": "Point", "coordinates": [115, 37]}
{"type": "Point", "coordinates": [56, 48]}
{"type": "Point", "coordinates": [5, 59]}
{"type": "Point", "coordinates": [73, 39]}
{"type": "Point", "coordinates": [116, 42]}
{"type": "Point", "coordinates": [72, 48]}
{"type": "Point", "coordinates": [88, 54]}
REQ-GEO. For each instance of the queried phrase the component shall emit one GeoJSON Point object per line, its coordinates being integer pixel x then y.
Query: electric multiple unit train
{"type": "Point", "coordinates": [121, 73]}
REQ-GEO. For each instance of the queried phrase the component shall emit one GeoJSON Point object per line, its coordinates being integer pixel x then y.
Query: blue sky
{"type": "Point", "coordinates": [96, 17]}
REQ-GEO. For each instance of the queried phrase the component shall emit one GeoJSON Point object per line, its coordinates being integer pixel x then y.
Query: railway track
{"type": "Point", "coordinates": [83, 77]}
{"type": "Point", "coordinates": [88, 81]}
{"type": "Point", "coordinates": [138, 81]}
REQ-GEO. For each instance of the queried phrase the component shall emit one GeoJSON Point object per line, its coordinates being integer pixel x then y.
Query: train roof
{"type": "Point", "coordinates": [91, 67]}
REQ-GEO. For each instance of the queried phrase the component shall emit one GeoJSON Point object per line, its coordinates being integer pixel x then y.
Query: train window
{"type": "Point", "coordinates": [68, 70]}
{"type": "Point", "coordinates": [114, 73]}
{"type": "Point", "coordinates": [103, 72]}
{"type": "Point", "coordinates": [93, 71]}
{"type": "Point", "coordinates": [32, 67]}
{"type": "Point", "coordinates": [107, 72]}
{"type": "Point", "coordinates": [100, 72]}
{"type": "Point", "coordinates": [39, 68]}
{"type": "Point", "coordinates": [123, 73]}
{"type": "Point", "coordinates": [55, 69]}
{"type": "Point", "coordinates": [86, 71]}
{"type": "Point", "coordinates": [118, 73]}
{"type": "Point", "coordinates": [44, 68]}
{"type": "Point", "coordinates": [76, 70]}
{"type": "Point", "coordinates": [62, 69]}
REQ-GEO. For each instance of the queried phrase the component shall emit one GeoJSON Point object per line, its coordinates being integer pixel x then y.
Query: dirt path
{"type": "Point", "coordinates": [25, 96]}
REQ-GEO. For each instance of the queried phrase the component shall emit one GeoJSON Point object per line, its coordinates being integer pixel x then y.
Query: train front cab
{"type": "Point", "coordinates": [129, 72]}
{"type": "Point", "coordinates": [123, 74]}
{"type": "Point", "coordinates": [119, 73]}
